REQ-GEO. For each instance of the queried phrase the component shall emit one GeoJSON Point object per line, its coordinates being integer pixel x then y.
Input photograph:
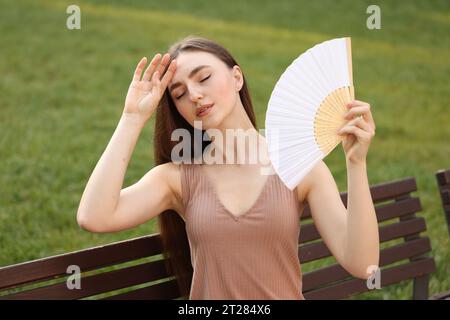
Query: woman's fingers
{"type": "Point", "coordinates": [169, 74]}
{"type": "Point", "coordinates": [357, 123]}
{"type": "Point", "coordinates": [164, 62]}
{"type": "Point", "coordinates": [358, 132]}
{"type": "Point", "coordinates": [361, 123]}
{"type": "Point", "coordinates": [139, 68]}
{"type": "Point", "coordinates": [149, 72]}
{"type": "Point", "coordinates": [155, 69]}
{"type": "Point", "coordinates": [356, 111]}
{"type": "Point", "coordinates": [357, 108]}
{"type": "Point", "coordinates": [151, 67]}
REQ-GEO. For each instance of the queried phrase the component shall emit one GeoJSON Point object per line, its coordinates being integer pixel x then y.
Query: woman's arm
{"type": "Point", "coordinates": [362, 239]}
{"type": "Point", "coordinates": [350, 233]}
{"type": "Point", "coordinates": [101, 196]}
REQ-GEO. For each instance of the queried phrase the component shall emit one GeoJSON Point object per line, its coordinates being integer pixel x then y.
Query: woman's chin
{"type": "Point", "coordinates": [207, 123]}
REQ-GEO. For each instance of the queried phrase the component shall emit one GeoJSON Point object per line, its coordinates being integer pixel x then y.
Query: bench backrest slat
{"type": "Point", "coordinates": [379, 192]}
{"type": "Point", "coordinates": [161, 291]}
{"type": "Point", "coordinates": [99, 283]}
{"type": "Point", "coordinates": [309, 232]}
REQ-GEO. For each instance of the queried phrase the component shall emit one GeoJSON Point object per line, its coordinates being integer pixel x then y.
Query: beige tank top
{"type": "Point", "coordinates": [252, 256]}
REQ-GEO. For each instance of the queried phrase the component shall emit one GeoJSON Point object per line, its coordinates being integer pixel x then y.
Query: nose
{"type": "Point", "coordinates": [194, 95]}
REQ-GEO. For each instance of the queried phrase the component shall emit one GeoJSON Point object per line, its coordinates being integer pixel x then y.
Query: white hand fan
{"type": "Point", "coordinates": [307, 107]}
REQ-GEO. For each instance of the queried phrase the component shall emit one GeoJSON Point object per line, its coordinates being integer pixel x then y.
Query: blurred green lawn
{"type": "Point", "coordinates": [62, 94]}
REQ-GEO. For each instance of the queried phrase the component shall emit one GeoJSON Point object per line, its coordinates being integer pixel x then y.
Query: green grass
{"type": "Point", "coordinates": [62, 94]}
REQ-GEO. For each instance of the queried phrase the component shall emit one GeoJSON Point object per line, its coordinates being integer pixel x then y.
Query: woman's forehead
{"type": "Point", "coordinates": [186, 57]}
{"type": "Point", "coordinates": [188, 61]}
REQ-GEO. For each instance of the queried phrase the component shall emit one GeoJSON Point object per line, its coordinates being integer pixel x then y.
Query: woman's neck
{"type": "Point", "coordinates": [240, 143]}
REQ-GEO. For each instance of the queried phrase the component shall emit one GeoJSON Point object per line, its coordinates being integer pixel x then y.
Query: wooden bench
{"type": "Point", "coordinates": [443, 181]}
{"type": "Point", "coordinates": [134, 269]}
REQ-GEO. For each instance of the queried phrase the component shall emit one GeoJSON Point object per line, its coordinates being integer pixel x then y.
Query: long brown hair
{"type": "Point", "coordinates": [171, 225]}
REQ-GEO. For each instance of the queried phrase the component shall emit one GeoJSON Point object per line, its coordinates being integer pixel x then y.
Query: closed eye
{"type": "Point", "coordinates": [206, 78]}
{"type": "Point", "coordinates": [200, 81]}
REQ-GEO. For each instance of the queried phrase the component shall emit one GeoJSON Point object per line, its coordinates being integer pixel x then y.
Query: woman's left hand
{"type": "Point", "coordinates": [358, 132]}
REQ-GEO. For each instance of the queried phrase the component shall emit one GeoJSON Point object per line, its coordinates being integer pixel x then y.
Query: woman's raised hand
{"type": "Point", "coordinates": [144, 94]}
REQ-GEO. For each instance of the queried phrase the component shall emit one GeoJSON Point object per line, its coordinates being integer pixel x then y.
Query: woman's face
{"type": "Point", "coordinates": [203, 79]}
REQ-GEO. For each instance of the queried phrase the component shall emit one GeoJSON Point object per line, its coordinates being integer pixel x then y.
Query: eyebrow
{"type": "Point", "coordinates": [193, 72]}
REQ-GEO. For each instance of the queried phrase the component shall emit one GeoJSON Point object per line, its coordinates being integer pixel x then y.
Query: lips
{"type": "Point", "coordinates": [203, 108]}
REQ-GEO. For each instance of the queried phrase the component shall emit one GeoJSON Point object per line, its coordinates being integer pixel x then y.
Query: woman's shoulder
{"type": "Point", "coordinates": [316, 174]}
{"type": "Point", "coordinates": [173, 172]}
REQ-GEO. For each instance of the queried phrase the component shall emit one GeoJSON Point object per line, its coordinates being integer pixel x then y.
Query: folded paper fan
{"type": "Point", "coordinates": [306, 109]}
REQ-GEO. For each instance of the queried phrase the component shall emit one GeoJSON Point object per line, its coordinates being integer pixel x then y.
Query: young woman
{"type": "Point", "coordinates": [230, 231]}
